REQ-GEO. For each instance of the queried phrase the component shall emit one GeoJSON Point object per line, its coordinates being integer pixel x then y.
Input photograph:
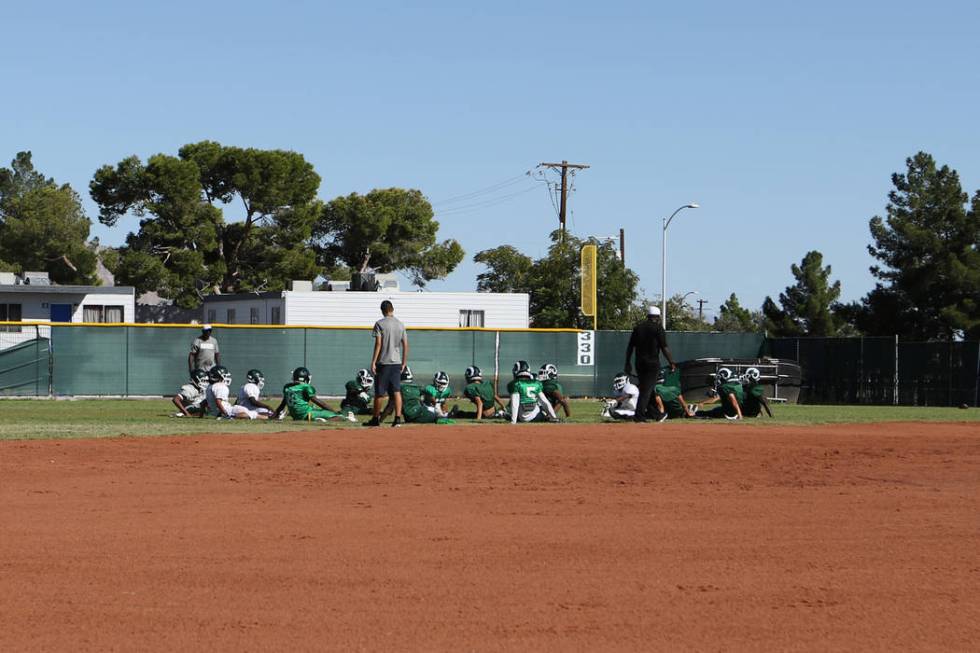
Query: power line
{"type": "Point", "coordinates": [492, 201]}
{"type": "Point", "coordinates": [483, 191]}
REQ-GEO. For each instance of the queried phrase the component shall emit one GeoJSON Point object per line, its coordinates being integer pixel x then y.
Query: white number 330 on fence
{"type": "Point", "coordinates": [586, 348]}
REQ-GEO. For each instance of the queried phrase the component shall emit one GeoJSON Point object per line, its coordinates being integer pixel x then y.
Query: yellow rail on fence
{"type": "Point", "coordinates": [150, 325]}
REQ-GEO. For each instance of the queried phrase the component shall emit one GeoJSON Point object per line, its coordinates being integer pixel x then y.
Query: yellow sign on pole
{"type": "Point", "coordinates": [589, 274]}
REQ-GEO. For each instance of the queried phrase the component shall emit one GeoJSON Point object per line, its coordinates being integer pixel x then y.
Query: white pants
{"type": "Point", "coordinates": [529, 412]}
{"type": "Point", "coordinates": [235, 411]}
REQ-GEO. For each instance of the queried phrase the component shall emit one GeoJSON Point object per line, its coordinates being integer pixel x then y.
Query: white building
{"type": "Point", "coordinates": [33, 299]}
{"type": "Point", "coordinates": [415, 309]}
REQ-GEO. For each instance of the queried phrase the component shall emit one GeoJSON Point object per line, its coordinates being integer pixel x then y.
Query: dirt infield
{"type": "Point", "coordinates": [626, 537]}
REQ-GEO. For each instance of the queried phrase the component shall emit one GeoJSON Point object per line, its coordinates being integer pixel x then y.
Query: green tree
{"type": "Point", "coordinates": [732, 316]}
{"type": "Point", "coordinates": [388, 229]}
{"type": "Point", "coordinates": [928, 252]}
{"type": "Point", "coordinates": [805, 308]}
{"type": "Point", "coordinates": [184, 246]}
{"type": "Point", "coordinates": [43, 226]}
{"type": "Point", "coordinates": [681, 315]}
{"type": "Point", "coordinates": [554, 283]}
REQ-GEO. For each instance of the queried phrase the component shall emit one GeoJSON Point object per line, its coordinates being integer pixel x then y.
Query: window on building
{"type": "Point", "coordinates": [253, 315]}
{"type": "Point", "coordinates": [468, 318]}
{"type": "Point", "coordinates": [212, 316]}
{"type": "Point", "coordinates": [230, 316]}
{"type": "Point", "coordinates": [10, 313]}
{"type": "Point", "coordinates": [99, 314]}
{"type": "Point", "coordinates": [276, 317]}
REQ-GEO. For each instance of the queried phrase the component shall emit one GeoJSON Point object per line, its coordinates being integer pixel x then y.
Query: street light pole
{"type": "Point", "coordinates": [663, 258]}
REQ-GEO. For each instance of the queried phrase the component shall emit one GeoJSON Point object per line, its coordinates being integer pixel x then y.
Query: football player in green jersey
{"type": "Point", "coordinates": [481, 394]}
{"type": "Point", "coordinates": [437, 393]}
{"type": "Point", "coordinates": [755, 394]}
{"type": "Point", "coordinates": [358, 397]}
{"type": "Point", "coordinates": [300, 401]}
{"type": "Point", "coordinates": [670, 403]}
{"type": "Point", "coordinates": [413, 407]}
{"type": "Point", "coordinates": [527, 400]}
{"type": "Point", "coordinates": [729, 392]}
{"type": "Point", "coordinates": [548, 376]}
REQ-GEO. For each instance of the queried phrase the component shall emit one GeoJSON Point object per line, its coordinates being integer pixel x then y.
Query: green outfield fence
{"type": "Point", "coordinates": [151, 360]}
{"type": "Point", "coordinates": [883, 370]}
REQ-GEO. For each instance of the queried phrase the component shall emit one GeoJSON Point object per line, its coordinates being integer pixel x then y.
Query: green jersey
{"type": "Point", "coordinates": [357, 398]}
{"type": "Point", "coordinates": [482, 390]}
{"type": "Point", "coordinates": [411, 400]}
{"type": "Point", "coordinates": [670, 395]}
{"type": "Point", "coordinates": [435, 397]}
{"type": "Point", "coordinates": [732, 388]}
{"type": "Point", "coordinates": [552, 388]}
{"type": "Point", "coordinates": [527, 389]}
{"type": "Point", "coordinates": [297, 396]}
{"type": "Point", "coordinates": [752, 406]}
{"type": "Point", "coordinates": [672, 378]}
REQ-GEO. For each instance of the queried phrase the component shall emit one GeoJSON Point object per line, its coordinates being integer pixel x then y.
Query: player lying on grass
{"type": "Point", "coordinates": [218, 392]}
{"type": "Point", "coordinates": [413, 408]}
{"type": "Point", "coordinates": [623, 405]}
{"type": "Point", "coordinates": [755, 394]}
{"type": "Point", "coordinates": [729, 393]}
{"type": "Point", "coordinates": [435, 395]}
{"type": "Point", "coordinates": [548, 375]}
{"type": "Point", "coordinates": [668, 400]}
{"type": "Point", "coordinates": [250, 394]}
{"type": "Point", "coordinates": [358, 399]}
{"type": "Point", "coordinates": [527, 400]}
{"type": "Point", "coordinates": [300, 400]}
{"type": "Point", "coordinates": [191, 399]}
{"type": "Point", "coordinates": [482, 394]}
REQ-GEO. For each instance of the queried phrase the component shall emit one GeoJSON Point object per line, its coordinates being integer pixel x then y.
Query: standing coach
{"type": "Point", "coordinates": [647, 340]}
{"type": "Point", "coordinates": [389, 359]}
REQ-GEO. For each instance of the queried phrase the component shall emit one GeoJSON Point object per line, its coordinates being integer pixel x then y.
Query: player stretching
{"type": "Point", "coordinates": [298, 396]}
{"type": "Point", "coordinates": [480, 393]}
{"type": "Point", "coordinates": [670, 403]}
{"type": "Point", "coordinates": [358, 399]}
{"type": "Point", "coordinates": [623, 405]}
{"type": "Point", "coordinates": [755, 394]}
{"type": "Point", "coordinates": [527, 400]}
{"type": "Point", "coordinates": [729, 392]}
{"type": "Point", "coordinates": [217, 394]}
{"type": "Point", "coordinates": [435, 395]}
{"type": "Point", "coordinates": [192, 397]}
{"type": "Point", "coordinates": [249, 395]}
{"type": "Point", "coordinates": [413, 408]}
{"type": "Point", "coordinates": [548, 375]}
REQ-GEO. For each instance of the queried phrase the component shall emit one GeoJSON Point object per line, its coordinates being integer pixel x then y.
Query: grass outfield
{"type": "Point", "coordinates": [98, 418]}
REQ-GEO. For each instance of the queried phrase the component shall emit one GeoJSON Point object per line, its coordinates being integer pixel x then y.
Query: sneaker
{"type": "Point", "coordinates": [350, 416]}
{"type": "Point", "coordinates": [397, 423]}
{"type": "Point", "coordinates": [453, 412]}
{"type": "Point", "coordinates": [374, 421]}
{"type": "Point", "coordinates": [731, 417]}
{"type": "Point", "coordinates": [177, 415]}
{"type": "Point", "coordinates": [692, 409]}
{"type": "Point", "coordinates": [282, 416]}
{"type": "Point", "coordinates": [662, 417]}
{"type": "Point", "coordinates": [605, 413]}
{"type": "Point", "coordinates": [320, 419]}
{"type": "Point", "coordinates": [554, 420]}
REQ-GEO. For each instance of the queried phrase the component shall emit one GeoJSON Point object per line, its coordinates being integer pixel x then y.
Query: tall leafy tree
{"type": "Point", "coordinates": [43, 226]}
{"type": "Point", "coordinates": [928, 252]}
{"type": "Point", "coordinates": [554, 283]}
{"type": "Point", "coordinates": [387, 229]}
{"type": "Point", "coordinates": [184, 247]}
{"type": "Point", "coordinates": [732, 316]}
{"type": "Point", "coordinates": [805, 308]}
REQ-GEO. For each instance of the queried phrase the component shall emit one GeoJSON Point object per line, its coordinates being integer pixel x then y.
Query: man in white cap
{"type": "Point", "coordinates": [647, 340]}
{"type": "Point", "coordinates": [204, 352]}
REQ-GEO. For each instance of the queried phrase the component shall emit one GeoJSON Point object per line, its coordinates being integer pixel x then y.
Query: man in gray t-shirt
{"type": "Point", "coordinates": [204, 352]}
{"type": "Point", "coordinates": [389, 359]}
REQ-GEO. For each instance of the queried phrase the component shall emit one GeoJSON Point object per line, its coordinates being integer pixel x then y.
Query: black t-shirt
{"type": "Point", "coordinates": [647, 339]}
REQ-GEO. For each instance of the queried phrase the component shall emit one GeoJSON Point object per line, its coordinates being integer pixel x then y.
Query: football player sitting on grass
{"type": "Point", "coordinates": [218, 392]}
{"type": "Point", "coordinates": [527, 400]}
{"type": "Point", "coordinates": [413, 408]}
{"type": "Point", "coordinates": [623, 405]}
{"type": "Point", "coordinates": [548, 375]}
{"type": "Point", "coordinates": [669, 401]}
{"type": "Point", "coordinates": [358, 398]}
{"type": "Point", "coordinates": [300, 400]}
{"type": "Point", "coordinates": [729, 392]}
{"type": "Point", "coordinates": [755, 394]}
{"type": "Point", "coordinates": [192, 398]}
{"type": "Point", "coordinates": [481, 394]}
{"type": "Point", "coordinates": [249, 395]}
{"type": "Point", "coordinates": [435, 395]}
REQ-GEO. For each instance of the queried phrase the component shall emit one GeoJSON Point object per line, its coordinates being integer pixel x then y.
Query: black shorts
{"type": "Point", "coordinates": [388, 380]}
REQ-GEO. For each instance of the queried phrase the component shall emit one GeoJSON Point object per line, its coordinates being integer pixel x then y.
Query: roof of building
{"type": "Point", "coordinates": [67, 290]}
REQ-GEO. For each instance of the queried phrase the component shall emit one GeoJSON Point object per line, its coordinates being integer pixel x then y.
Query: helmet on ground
{"type": "Point", "coordinates": [302, 375]}
{"type": "Point", "coordinates": [199, 378]}
{"type": "Point", "coordinates": [753, 375]}
{"type": "Point", "coordinates": [256, 377]}
{"type": "Point", "coordinates": [620, 381]}
{"type": "Point", "coordinates": [723, 375]}
{"type": "Point", "coordinates": [473, 373]}
{"type": "Point", "coordinates": [522, 370]}
{"type": "Point", "coordinates": [440, 380]}
{"type": "Point", "coordinates": [407, 376]}
{"type": "Point", "coordinates": [548, 372]}
{"type": "Point", "coordinates": [219, 373]}
{"type": "Point", "coordinates": [365, 378]}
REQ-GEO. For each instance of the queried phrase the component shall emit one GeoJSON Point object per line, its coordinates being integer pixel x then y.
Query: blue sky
{"type": "Point", "coordinates": [783, 120]}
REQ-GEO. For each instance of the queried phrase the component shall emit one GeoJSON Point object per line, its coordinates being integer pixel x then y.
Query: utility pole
{"type": "Point", "coordinates": [563, 168]}
{"type": "Point", "coordinates": [701, 303]}
{"type": "Point", "coordinates": [622, 246]}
